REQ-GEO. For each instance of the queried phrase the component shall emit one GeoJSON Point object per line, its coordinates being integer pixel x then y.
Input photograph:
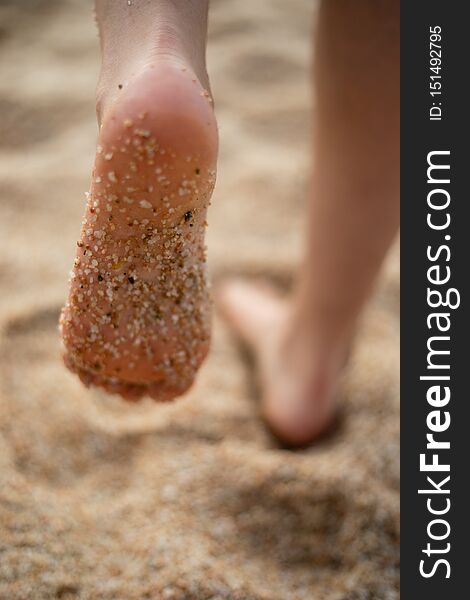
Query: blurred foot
{"type": "Point", "coordinates": [297, 374]}
{"type": "Point", "coordinates": [137, 320]}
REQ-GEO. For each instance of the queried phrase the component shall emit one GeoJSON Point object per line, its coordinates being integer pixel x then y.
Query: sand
{"type": "Point", "coordinates": [101, 500]}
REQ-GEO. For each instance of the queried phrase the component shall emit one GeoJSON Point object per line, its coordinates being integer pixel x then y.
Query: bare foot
{"type": "Point", "coordinates": [137, 320]}
{"type": "Point", "coordinates": [297, 374]}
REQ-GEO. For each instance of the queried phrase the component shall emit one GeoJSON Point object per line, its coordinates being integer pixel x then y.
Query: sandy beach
{"type": "Point", "coordinates": [103, 500]}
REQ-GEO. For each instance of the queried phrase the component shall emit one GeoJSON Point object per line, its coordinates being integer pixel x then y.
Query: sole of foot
{"type": "Point", "coordinates": [297, 380]}
{"type": "Point", "coordinates": [137, 319]}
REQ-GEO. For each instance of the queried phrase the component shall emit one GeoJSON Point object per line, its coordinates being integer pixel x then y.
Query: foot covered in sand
{"type": "Point", "coordinates": [137, 319]}
{"type": "Point", "coordinates": [297, 373]}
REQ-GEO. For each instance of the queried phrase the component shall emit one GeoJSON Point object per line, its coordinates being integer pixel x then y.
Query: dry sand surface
{"type": "Point", "coordinates": [101, 500]}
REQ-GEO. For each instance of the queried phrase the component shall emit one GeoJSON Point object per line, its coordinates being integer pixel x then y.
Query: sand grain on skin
{"type": "Point", "coordinates": [138, 314]}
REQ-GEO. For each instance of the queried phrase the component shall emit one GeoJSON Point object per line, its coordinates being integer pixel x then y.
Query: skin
{"type": "Point", "coordinates": [156, 52]}
{"type": "Point", "coordinates": [302, 342]}
{"type": "Point", "coordinates": [137, 320]}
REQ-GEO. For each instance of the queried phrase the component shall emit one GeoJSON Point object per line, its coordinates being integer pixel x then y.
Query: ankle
{"type": "Point", "coordinates": [316, 346]}
{"type": "Point", "coordinates": [142, 37]}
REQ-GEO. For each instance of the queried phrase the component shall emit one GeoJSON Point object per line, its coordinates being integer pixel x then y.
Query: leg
{"type": "Point", "coordinates": [353, 217]}
{"type": "Point", "coordinates": [137, 317]}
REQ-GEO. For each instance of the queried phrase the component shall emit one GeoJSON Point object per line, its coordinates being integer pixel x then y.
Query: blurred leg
{"type": "Point", "coordinates": [353, 216]}
{"type": "Point", "coordinates": [354, 209]}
